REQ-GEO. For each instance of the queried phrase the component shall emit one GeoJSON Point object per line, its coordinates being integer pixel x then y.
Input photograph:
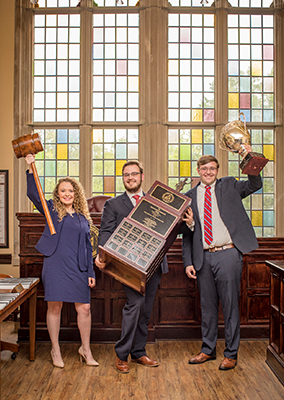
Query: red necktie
{"type": "Point", "coordinates": [208, 216]}
{"type": "Point", "coordinates": [136, 197]}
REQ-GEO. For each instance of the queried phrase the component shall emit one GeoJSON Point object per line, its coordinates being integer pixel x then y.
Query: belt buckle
{"type": "Point", "coordinates": [212, 249]}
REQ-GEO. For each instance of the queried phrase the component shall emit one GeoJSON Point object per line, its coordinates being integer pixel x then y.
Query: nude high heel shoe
{"type": "Point", "coordinates": [89, 361]}
{"type": "Point", "coordinates": [57, 360]}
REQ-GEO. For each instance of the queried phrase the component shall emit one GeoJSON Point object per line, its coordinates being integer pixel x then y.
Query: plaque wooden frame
{"type": "Point", "coordinates": [137, 247]}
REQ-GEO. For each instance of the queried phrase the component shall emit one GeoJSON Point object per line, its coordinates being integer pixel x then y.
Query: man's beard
{"type": "Point", "coordinates": [134, 189]}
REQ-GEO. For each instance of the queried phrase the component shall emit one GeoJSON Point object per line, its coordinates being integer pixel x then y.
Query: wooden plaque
{"type": "Point", "coordinates": [138, 245]}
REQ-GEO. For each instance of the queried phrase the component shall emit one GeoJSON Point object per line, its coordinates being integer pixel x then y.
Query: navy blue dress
{"type": "Point", "coordinates": [62, 278]}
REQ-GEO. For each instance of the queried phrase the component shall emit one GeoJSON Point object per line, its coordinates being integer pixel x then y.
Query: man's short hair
{"type": "Point", "coordinates": [207, 159]}
{"type": "Point", "coordinates": [133, 162]}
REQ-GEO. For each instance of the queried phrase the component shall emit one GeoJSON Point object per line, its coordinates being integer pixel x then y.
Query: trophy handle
{"type": "Point", "coordinates": [241, 113]}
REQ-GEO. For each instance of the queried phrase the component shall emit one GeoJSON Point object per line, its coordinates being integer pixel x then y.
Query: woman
{"type": "Point", "coordinates": [67, 273]}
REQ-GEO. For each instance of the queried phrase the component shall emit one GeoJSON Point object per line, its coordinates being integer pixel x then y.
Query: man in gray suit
{"type": "Point", "coordinates": [213, 254]}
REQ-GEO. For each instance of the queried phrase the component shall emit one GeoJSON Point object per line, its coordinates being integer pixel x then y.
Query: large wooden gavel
{"type": "Point", "coordinates": [31, 144]}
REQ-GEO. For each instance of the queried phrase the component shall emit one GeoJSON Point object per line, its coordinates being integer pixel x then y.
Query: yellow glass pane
{"type": "Point", "coordinates": [233, 100]}
{"type": "Point", "coordinates": [197, 115]}
{"type": "Point", "coordinates": [118, 165]}
{"type": "Point", "coordinates": [185, 168]}
{"type": "Point", "coordinates": [97, 135]}
{"type": "Point", "coordinates": [109, 194]}
{"type": "Point", "coordinates": [256, 68]}
{"type": "Point", "coordinates": [256, 218]}
{"type": "Point", "coordinates": [196, 136]}
{"type": "Point", "coordinates": [268, 151]}
{"type": "Point", "coordinates": [62, 151]}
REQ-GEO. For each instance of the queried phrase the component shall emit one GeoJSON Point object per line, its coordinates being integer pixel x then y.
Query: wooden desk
{"type": "Point", "coordinates": [31, 294]}
{"type": "Point", "coordinates": [275, 349]}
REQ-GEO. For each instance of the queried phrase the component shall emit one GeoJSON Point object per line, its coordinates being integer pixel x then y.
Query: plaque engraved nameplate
{"type": "Point", "coordinates": [137, 247]}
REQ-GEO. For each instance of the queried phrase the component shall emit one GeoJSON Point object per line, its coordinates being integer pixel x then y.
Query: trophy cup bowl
{"type": "Point", "coordinates": [233, 137]}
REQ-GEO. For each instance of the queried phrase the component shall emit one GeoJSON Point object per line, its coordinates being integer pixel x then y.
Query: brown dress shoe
{"type": "Point", "coordinates": [122, 366]}
{"type": "Point", "coordinates": [145, 360]}
{"type": "Point", "coordinates": [227, 363]}
{"type": "Point", "coordinates": [201, 358]}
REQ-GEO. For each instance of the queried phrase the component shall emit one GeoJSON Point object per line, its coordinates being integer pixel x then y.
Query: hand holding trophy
{"type": "Point", "coordinates": [234, 137]}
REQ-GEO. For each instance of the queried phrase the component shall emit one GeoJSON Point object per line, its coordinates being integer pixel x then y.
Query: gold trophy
{"type": "Point", "coordinates": [233, 137]}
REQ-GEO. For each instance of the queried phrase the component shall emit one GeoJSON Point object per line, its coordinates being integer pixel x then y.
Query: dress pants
{"type": "Point", "coordinates": [219, 278]}
{"type": "Point", "coordinates": [135, 318]}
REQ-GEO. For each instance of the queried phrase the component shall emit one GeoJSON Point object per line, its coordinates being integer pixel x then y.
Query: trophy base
{"type": "Point", "coordinates": [253, 163]}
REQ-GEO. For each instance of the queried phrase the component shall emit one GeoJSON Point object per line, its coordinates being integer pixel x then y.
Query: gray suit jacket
{"type": "Point", "coordinates": [229, 194]}
{"type": "Point", "coordinates": [115, 210]}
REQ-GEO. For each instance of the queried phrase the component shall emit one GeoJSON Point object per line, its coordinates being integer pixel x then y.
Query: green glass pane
{"type": "Point", "coordinates": [268, 137]}
{"type": "Point", "coordinates": [185, 152]}
{"type": "Point", "coordinates": [233, 84]}
{"type": "Point", "coordinates": [50, 151]}
{"type": "Point", "coordinates": [173, 152]}
{"type": "Point", "coordinates": [50, 136]}
{"type": "Point", "coordinates": [268, 185]}
{"type": "Point", "coordinates": [172, 182]}
{"type": "Point", "coordinates": [74, 168]}
{"type": "Point", "coordinates": [109, 167]}
{"type": "Point", "coordinates": [173, 168]}
{"type": "Point", "coordinates": [257, 231]}
{"type": "Point", "coordinates": [49, 184]}
{"type": "Point", "coordinates": [97, 168]}
{"type": "Point", "coordinates": [268, 100]}
{"type": "Point", "coordinates": [40, 155]}
{"type": "Point", "coordinates": [256, 136]}
{"type": "Point", "coordinates": [62, 168]}
{"type": "Point", "coordinates": [108, 150]}
{"type": "Point", "coordinates": [208, 136]}
{"type": "Point", "coordinates": [268, 232]}
{"type": "Point", "coordinates": [74, 151]}
{"type": "Point", "coordinates": [50, 168]}
{"type": "Point", "coordinates": [196, 151]}
{"type": "Point", "coordinates": [233, 169]}
{"type": "Point", "coordinates": [256, 85]}
{"type": "Point", "coordinates": [119, 184]}
{"type": "Point", "coordinates": [268, 201]}
{"type": "Point", "coordinates": [97, 184]}
{"type": "Point", "coordinates": [185, 135]}
{"type": "Point", "coordinates": [97, 151]}
{"type": "Point", "coordinates": [256, 101]}
{"type": "Point", "coordinates": [40, 167]}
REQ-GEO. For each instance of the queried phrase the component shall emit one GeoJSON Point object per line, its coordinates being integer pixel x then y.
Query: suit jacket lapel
{"type": "Point", "coordinates": [218, 193]}
{"type": "Point", "coordinates": [194, 206]}
{"type": "Point", "coordinates": [127, 202]}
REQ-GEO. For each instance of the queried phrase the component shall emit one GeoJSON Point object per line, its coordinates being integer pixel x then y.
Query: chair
{"type": "Point", "coordinates": [96, 203]}
{"type": "Point", "coordinates": [14, 348]}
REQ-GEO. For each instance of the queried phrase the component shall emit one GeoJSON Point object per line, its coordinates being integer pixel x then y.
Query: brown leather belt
{"type": "Point", "coordinates": [219, 248]}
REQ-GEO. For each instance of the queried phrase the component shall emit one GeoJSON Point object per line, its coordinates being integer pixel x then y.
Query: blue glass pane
{"type": "Point", "coordinates": [209, 149]}
{"type": "Point", "coordinates": [121, 151]}
{"type": "Point", "coordinates": [268, 218]}
{"type": "Point", "coordinates": [247, 114]}
{"type": "Point", "coordinates": [268, 116]}
{"type": "Point", "coordinates": [62, 136]}
{"type": "Point", "coordinates": [41, 179]}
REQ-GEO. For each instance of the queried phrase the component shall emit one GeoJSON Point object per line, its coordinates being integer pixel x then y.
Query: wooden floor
{"type": "Point", "coordinates": [174, 379]}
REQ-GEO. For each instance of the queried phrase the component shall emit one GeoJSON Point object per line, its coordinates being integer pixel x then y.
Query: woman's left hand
{"type": "Point", "coordinates": [92, 282]}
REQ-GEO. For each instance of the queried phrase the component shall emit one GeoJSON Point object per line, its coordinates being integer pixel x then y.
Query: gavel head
{"type": "Point", "coordinates": [27, 144]}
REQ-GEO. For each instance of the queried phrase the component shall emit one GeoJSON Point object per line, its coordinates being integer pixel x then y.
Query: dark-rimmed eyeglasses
{"type": "Point", "coordinates": [204, 169]}
{"type": "Point", "coordinates": [126, 175]}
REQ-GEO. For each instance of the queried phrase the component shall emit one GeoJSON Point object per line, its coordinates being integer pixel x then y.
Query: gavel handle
{"type": "Point", "coordinates": [42, 199]}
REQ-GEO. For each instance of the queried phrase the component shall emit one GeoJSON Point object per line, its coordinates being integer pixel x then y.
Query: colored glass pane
{"type": "Point", "coordinates": [62, 151]}
{"type": "Point", "coordinates": [185, 169]}
{"type": "Point", "coordinates": [196, 136]}
{"type": "Point", "coordinates": [185, 152]}
{"type": "Point", "coordinates": [256, 218]}
{"type": "Point", "coordinates": [233, 100]}
{"type": "Point", "coordinates": [268, 151]}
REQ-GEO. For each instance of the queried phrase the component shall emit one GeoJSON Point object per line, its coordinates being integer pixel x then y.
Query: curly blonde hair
{"type": "Point", "coordinates": [79, 204]}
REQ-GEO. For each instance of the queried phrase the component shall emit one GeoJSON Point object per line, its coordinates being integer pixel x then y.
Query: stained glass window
{"type": "Point", "coordinates": [58, 3]}
{"type": "Point", "coordinates": [191, 68]}
{"type": "Point", "coordinates": [260, 205]}
{"type": "Point", "coordinates": [116, 67]}
{"type": "Point", "coordinates": [251, 67]}
{"type": "Point", "coordinates": [56, 68]}
{"type": "Point", "coordinates": [185, 146]}
{"type": "Point", "coordinates": [60, 157]}
{"type": "Point", "coordinates": [111, 148]}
